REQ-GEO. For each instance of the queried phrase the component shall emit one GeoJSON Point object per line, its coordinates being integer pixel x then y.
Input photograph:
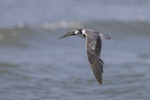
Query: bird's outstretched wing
{"type": "Point", "coordinates": [93, 46]}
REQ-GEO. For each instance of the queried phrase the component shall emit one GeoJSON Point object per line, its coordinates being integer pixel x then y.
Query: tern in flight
{"type": "Point", "coordinates": [93, 48]}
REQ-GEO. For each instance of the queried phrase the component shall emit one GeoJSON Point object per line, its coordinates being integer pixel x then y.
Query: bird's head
{"type": "Point", "coordinates": [80, 32]}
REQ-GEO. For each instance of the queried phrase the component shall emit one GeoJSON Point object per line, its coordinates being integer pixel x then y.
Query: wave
{"type": "Point", "coordinates": [27, 31]}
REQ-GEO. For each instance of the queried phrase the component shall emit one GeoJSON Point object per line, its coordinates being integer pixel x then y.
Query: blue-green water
{"type": "Point", "coordinates": [36, 65]}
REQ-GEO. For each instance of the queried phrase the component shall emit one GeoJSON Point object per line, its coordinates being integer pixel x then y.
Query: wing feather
{"type": "Point", "coordinates": [93, 52]}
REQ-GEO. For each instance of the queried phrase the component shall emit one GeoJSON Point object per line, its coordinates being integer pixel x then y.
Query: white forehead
{"type": "Point", "coordinates": [83, 31]}
{"type": "Point", "coordinates": [76, 32]}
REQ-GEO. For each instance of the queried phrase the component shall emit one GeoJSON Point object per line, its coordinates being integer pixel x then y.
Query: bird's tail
{"type": "Point", "coordinates": [105, 36]}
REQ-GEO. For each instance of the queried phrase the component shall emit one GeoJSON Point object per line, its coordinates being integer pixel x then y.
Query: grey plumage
{"type": "Point", "coordinates": [93, 48]}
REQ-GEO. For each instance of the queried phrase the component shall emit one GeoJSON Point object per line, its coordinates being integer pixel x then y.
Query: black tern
{"type": "Point", "coordinates": [93, 48]}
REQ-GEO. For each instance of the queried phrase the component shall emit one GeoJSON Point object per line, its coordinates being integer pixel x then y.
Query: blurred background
{"type": "Point", "coordinates": [36, 65]}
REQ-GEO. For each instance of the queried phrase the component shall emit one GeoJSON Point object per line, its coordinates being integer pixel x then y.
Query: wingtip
{"type": "Point", "coordinates": [67, 34]}
{"type": "Point", "coordinates": [61, 37]}
{"type": "Point", "coordinates": [101, 83]}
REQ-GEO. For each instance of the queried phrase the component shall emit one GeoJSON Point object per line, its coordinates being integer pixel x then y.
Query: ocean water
{"type": "Point", "coordinates": [36, 65]}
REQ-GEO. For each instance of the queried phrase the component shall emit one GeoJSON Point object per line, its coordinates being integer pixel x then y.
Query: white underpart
{"type": "Point", "coordinates": [83, 31]}
{"type": "Point", "coordinates": [76, 32]}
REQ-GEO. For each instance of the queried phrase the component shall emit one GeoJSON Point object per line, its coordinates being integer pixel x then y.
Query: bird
{"type": "Point", "coordinates": [93, 48]}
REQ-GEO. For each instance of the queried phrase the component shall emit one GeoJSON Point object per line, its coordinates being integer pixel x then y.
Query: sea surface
{"type": "Point", "coordinates": [36, 65]}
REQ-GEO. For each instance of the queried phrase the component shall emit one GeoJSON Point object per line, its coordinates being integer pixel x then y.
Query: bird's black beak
{"type": "Point", "coordinates": [67, 34]}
